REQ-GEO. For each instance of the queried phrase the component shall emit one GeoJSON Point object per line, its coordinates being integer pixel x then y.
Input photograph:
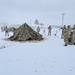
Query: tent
{"type": "Point", "coordinates": [24, 33]}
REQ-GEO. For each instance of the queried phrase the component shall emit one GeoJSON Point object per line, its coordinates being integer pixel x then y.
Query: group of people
{"type": "Point", "coordinates": [68, 34]}
{"type": "Point", "coordinates": [44, 30]}
{"type": "Point", "coordinates": [6, 29]}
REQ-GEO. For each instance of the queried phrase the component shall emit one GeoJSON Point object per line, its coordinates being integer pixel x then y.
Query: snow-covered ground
{"type": "Point", "coordinates": [48, 57]}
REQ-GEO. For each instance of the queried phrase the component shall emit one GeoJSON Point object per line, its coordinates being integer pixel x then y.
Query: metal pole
{"type": "Point", "coordinates": [63, 19]}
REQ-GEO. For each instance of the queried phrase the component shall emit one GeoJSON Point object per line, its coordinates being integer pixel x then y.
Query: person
{"type": "Point", "coordinates": [67, 32]}
{"type": "Point", "coordinates": [74, 35]}
{"type": "Point", "coordinates": [2, 29]}
{"type": "Point", "coordinates": [70, 40]}
{"type": "Point", "coordinates": [6, 31]}
{"type": "Point", "coordinates": [62, 35]}
{"type": "Point", "coordinates": [49, 30]}
{"type": "Point", "coordinates": [44, 31]}
{"type": "Point", "coordinates": [38, 29]}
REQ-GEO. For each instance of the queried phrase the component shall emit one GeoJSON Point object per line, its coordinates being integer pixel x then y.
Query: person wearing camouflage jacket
{"type": "Point", "coordinates": [67, 33]}
{"type": "Point", "coordinates": [74, 35]}
{"type": "Point", "coordinates": [63, 29]}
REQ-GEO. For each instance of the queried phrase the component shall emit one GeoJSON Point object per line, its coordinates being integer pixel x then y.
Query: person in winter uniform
{"type": "Point", "coordinates": [74, 35]}
{"type": "Point", "coordinates": [2, 29]}
{"type": "Point", "coordinates": [38, 29]}
{"type": "Point", "coordinates": [67, 33]}
{"type": "Point", "coordinates": [70, 40]}
{"type": "Point", "coordinates": [44, 31]}
{"type": "Point", "coordinates": [6, 31]}
{"type": "Point", "coordinates": [62, 35]}
{"type": "Point", "coordinates": [49, 30]}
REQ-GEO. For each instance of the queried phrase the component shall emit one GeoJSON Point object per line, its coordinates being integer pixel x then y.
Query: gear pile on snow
{"type": "Point", "coordinates": [24, 33]}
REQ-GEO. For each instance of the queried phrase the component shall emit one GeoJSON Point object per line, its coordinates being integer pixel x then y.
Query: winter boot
{"type": "Point", "coordinates": [74, 43]}
{"type": "Point", "coordinates": [65, 45]}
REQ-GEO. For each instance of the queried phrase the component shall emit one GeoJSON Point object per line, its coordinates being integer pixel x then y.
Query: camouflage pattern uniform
{"type": "Point", "coordinates": [67, 33]}
{"type": "Point", "coordinates": [63, 31]}
{"type": "Point", "coordinates": [62, 35]}
{"type": "Point", "coordinates": [74, 35]}
{"type": "Point", "coordinates": [70, 40]}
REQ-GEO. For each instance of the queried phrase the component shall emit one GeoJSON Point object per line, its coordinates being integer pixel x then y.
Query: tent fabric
{"type": "Point", "coordinates": [25, 32]}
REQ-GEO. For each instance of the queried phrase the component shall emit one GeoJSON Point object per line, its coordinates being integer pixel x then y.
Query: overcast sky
{"type": "Point", "coordinates": [46, 11]}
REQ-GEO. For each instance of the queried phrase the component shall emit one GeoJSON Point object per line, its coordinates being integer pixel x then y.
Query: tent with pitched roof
{"type": "Point", "coordinates": [24, 33]}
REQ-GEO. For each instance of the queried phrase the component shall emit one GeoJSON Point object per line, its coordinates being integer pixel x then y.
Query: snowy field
{"type": "Point", "coordinates": [48, 57]}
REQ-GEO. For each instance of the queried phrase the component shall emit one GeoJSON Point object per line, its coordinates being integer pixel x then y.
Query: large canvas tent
{"type": "Point", "coordinates": [24, 33]}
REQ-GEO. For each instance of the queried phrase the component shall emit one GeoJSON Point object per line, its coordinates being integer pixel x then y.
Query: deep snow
{"type": "Point", "coordinates": [48, 57]}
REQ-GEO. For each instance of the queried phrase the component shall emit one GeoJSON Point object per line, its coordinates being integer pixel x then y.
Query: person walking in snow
{"type": "Point", "coordinates": [49, 30]}
{"type": "Point", "coordinates": [67, 33]}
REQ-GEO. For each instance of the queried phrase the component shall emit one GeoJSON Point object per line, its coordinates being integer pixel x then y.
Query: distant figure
{"type": "Point", "coordinates": [49, 30]}
{"type": "Point", "coordinates": [74, 35]}
{"type": "Point", "coordinates": [38, 29]}
{"type": "Point", "coordinates": [62, 35]}
{"type": "Point", "coordinates": [2, 29]}
{"type": "Point", "coordinates": [44, 32]}
{"type": "Point", "coordinates": [6, 31]}
{"type": "Point", "coordinates": [67, 33]}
